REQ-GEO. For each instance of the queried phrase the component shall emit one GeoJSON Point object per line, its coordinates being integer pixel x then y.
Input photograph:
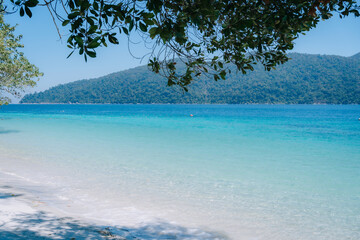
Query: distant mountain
{"type": "Point", "coordinates": [305, 79]}
{"type": "Point", "coordinates": [356, 56]}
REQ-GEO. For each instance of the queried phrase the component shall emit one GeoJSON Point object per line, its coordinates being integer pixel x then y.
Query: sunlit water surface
{"type": "Point", "coordinates": [246, 171]}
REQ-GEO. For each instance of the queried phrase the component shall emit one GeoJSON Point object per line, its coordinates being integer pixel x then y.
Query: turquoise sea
{"type": "Point", "coordinates": [240, 171]}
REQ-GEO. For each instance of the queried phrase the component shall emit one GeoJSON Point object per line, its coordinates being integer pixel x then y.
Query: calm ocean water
{"type": "Point", "coordinates": [245, 171]}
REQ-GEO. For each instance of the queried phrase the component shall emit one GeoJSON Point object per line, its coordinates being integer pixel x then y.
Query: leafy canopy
{"type": "Point", "coordinates": [16, 72]}
{"type": "Point", "coordinates": [204, 34]}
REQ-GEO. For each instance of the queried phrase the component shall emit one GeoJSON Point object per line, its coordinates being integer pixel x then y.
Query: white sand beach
{"type": "Point", "coordinates": [25, 215]}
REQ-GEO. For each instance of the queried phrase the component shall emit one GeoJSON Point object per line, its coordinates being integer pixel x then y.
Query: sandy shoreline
{"type": "Point", "coordinates": [25, 214]}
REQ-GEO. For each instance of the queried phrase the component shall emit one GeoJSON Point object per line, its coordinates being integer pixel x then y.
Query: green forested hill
{"type": "Point", "coordinates": [304, 79]}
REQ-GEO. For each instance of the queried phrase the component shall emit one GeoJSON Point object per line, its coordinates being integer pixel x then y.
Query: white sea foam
{"type": "Point", "coordinates": [18, 176]}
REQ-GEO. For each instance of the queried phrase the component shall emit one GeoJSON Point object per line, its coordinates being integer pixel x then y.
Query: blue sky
{"type": "Point", "coordinates": [44, 48]}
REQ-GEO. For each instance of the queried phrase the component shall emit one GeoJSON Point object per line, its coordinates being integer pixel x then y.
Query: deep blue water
{"type": "Point", "coordinates": [250, 171]}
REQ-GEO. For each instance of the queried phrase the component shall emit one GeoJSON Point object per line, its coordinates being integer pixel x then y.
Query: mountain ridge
{"type": "Point", "coordinates": [305, 79]}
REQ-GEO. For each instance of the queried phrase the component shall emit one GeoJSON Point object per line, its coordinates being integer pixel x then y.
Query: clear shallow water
{"type": "Point", "coordinates": [249, 171]}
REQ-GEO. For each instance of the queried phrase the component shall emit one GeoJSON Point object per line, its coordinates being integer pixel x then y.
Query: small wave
{"type": "Point", "coordinates": [18, 176]}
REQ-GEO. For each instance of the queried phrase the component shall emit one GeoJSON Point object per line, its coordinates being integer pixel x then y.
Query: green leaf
{"type": "Point", "coordinates": [223, 74]}
{"type": "Point", "coordinates": [70, 54]}
{"type": "Point", "coordinates": [71, 4]}
{"type": "Point", "coordinates": [103, 41]}
{"type": "Point", "coordinates": [131, 25]}
{"type": "Point", "coordinates": [28, 12]}
{"type": "Point", "coordinates": [113, 39]}
{"type": "Point", "coordinates": [79, 41]}
{"type": "Point", "coordinates": [153, 32]}
{"type": "Point", "coordinates": [92, 29]}
{"type": "Point", "coordinates": [66, 22]}
{"type": "Point", "coordinates": [125, 31]}
{"type": "Point", "coordinates": [31, 3]}
{"type": "Point", "coordinates": [22, 12]}
{"type": "Point", "coordinates": [148, 22]}
{"type": "Point", "coordinates": [73, 15]}
{"type": "Point", "coordinates": [96, 5]}
{"type": "Point", "coordinates": [143, 27]}
{"type": "Point", "coordinates": [91, 54]}
{"type": "Point", "coordinates": [94, 43]}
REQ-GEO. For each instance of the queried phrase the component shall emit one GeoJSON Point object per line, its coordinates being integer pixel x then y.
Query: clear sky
{"type": "Point", "coordinates": [44, 48]}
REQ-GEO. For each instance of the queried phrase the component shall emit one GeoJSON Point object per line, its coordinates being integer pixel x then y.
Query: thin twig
{"type": "Point", "coordinates": [47, 5]}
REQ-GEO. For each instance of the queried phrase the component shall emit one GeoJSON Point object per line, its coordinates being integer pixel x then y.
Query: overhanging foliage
{"type": "Point", "coordinates": [204, 34]}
